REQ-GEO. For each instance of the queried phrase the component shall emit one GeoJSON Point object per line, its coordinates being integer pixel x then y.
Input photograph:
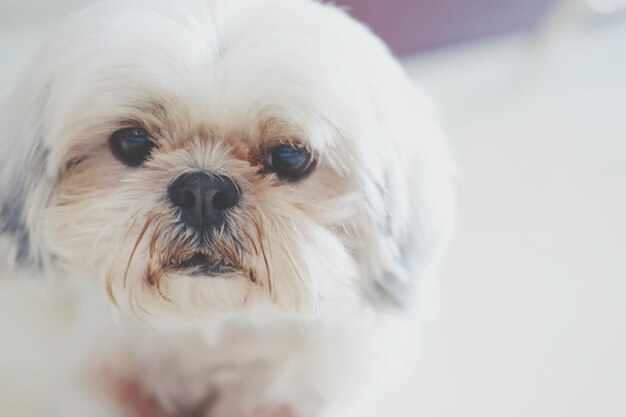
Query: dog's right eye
{"type": "Point", "coordinates": [131, 146]}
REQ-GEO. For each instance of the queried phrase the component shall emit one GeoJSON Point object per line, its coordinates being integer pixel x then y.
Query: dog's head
{"type": "Point", "coordinates": [210, 156]}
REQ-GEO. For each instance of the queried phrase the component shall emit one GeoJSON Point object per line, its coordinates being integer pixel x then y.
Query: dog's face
{"type": "Point", "coordinates": [211, 156]}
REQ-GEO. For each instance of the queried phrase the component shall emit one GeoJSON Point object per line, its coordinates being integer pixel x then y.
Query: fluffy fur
{"type": "Point", "coordinates": [323, 307]}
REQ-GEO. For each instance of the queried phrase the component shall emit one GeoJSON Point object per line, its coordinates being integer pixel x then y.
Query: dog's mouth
{"type": "Point", "coordinates": [200, 264]}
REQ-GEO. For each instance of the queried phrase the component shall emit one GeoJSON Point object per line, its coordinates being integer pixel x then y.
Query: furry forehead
{"type": "Point", "coordinates": [227, 64]}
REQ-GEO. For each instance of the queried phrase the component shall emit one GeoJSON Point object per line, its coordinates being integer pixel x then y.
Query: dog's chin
{"type": "Point", "coordinates": [202, 265]}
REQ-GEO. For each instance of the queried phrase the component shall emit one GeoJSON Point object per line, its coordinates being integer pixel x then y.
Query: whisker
{"type": "Point", "coordinates": [308, 280]}
{"type": "Point", "coordinates": [259, 233]}
{"type": "Point", "coordinates": [108, 279]}
{"type": "Point", "coordinates": [156, 278]}
{"type": "Point", "coordinates": [142, 233]}
{"type": "Point", "coordinates": [246, 234]}
{"type": "Point", "coordinates": [94, 247]}
{"type": "Point", "coordinates": [293, 263]}
{"type": "Point", "coordinates": [155, 237]}
{"type": "Point", "coordinates": [135, 305]}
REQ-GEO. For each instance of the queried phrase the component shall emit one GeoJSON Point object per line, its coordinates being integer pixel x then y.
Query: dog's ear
{"type": "Point", "coordinates": [24, 187]}
{"type": "Point", "coordinates": [411, 204]}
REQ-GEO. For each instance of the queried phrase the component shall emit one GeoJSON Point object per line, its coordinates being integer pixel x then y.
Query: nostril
{"type": "Point", "coordinates": [223, 200]}
{"type": "Point", "coordinates": [188, 200]}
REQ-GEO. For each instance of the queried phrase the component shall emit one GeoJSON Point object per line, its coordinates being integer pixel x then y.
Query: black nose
{"type": "Point", "coordinates": [203, 199]}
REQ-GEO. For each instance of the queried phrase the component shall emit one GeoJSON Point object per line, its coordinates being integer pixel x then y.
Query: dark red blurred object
{"type": "Point", "coordinates": [412, 25]}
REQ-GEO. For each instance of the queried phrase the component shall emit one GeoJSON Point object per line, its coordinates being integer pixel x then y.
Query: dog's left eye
{"type": "Point", "coordinates": [131, 146]}
{"type": "Point", "coordinates": [290, 161]}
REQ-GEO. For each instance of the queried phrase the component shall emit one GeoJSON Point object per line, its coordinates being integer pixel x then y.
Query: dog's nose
{"type": "Point", "coordinates": [203, 199]}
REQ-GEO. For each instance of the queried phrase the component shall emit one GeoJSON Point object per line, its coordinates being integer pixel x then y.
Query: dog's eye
{"type": "Point", "coordinates": [131, 146]}
{"type": "Point", "coordinates": [290, 161]}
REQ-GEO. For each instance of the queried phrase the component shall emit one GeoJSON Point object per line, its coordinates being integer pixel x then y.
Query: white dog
{"type": "Point", "coordinates": [253, 187]}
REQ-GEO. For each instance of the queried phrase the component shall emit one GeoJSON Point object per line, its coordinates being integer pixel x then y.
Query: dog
{"type": "Point", "coordinates": [247, 199]}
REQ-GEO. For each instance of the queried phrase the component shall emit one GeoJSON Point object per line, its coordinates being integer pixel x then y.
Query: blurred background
{"type": "Point", "coordinates": [532, 317]}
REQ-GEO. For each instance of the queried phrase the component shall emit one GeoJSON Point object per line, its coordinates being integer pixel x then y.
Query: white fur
{"type": "Point", "coordinates": [341, 258]}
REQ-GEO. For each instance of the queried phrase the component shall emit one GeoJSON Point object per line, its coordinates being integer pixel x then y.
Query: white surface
{"type": "Point", "coordinates": [533, 316]}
